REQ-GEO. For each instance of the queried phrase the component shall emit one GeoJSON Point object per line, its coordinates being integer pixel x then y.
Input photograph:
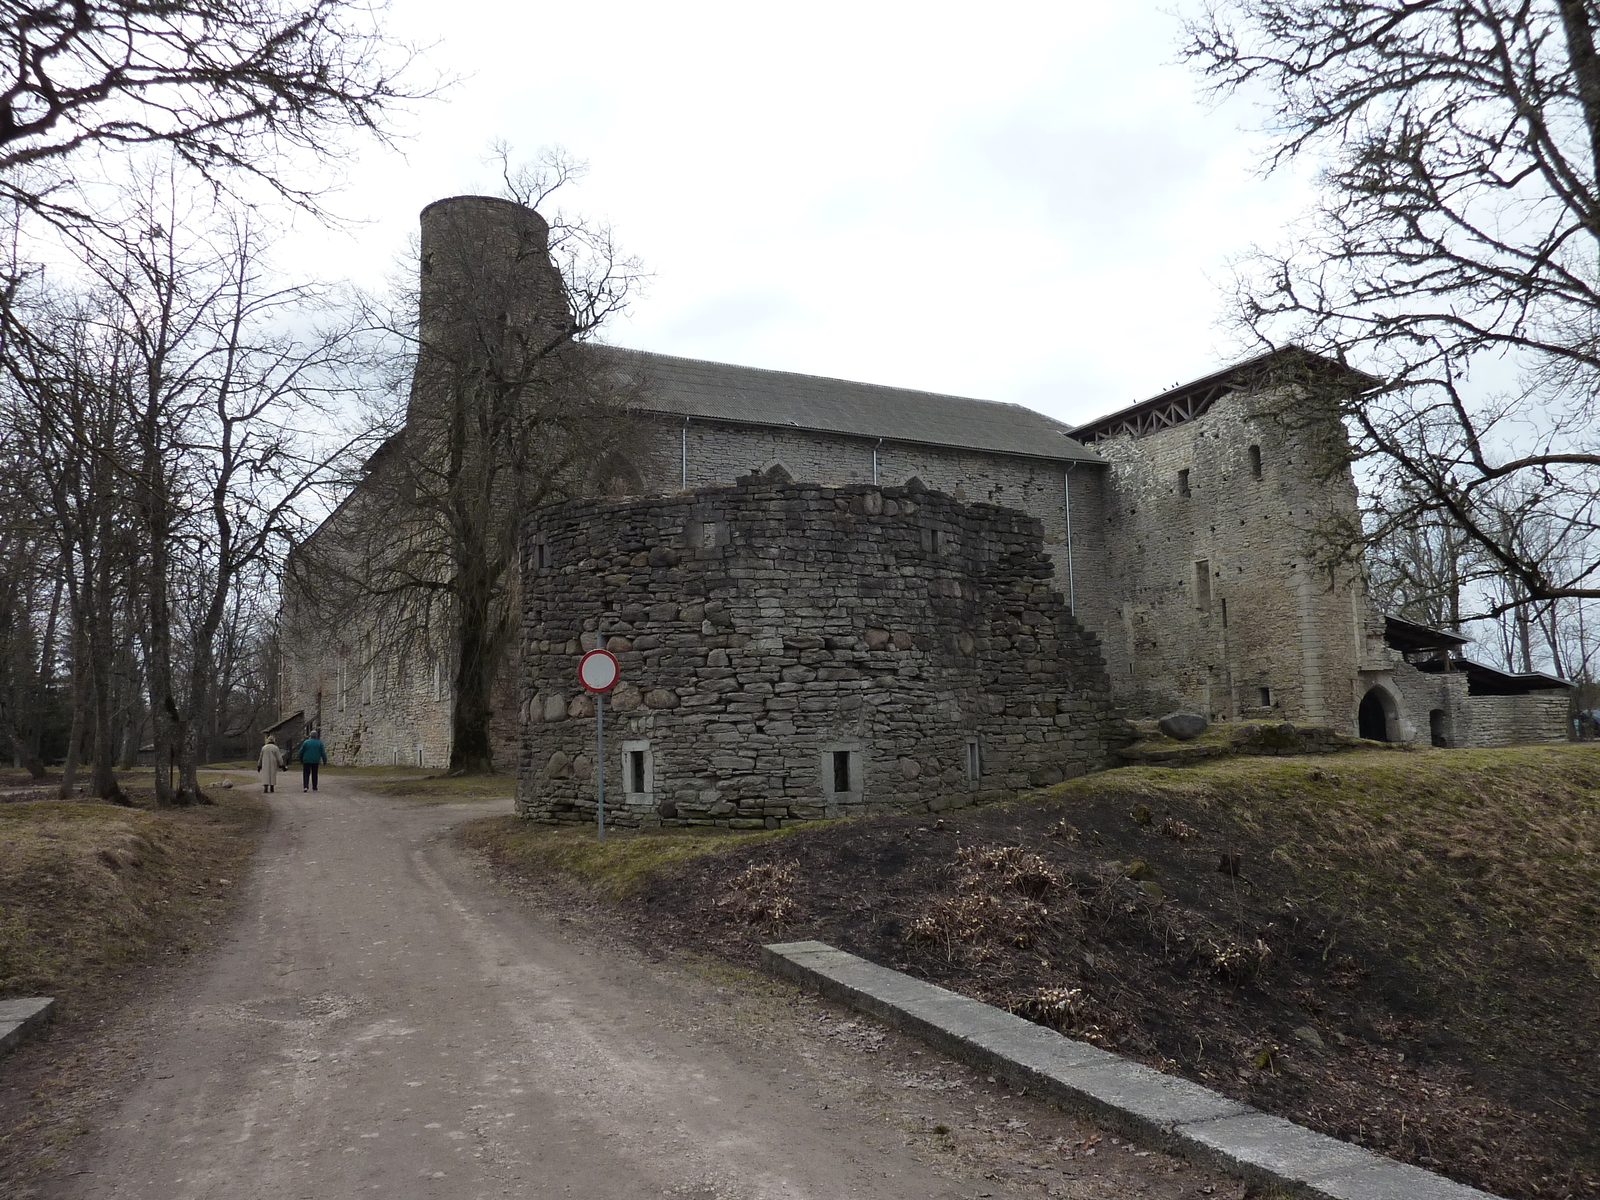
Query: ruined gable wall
{"type": "Point", "coordinates": [1261, 616]}
{"type": "Point", "coordinates": [762, 627]}
{"type": "Point", "coordinates": [721, 452]}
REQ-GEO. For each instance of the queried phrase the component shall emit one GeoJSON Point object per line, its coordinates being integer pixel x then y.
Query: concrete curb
{"type": "Point", "coordinates": [1157, 1109]}
{"type": "Point", "coordinates": [18, 1018]}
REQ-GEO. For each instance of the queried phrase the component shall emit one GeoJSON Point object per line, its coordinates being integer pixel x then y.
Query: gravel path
{"type": "Point", "coordinates": [385, 1020]}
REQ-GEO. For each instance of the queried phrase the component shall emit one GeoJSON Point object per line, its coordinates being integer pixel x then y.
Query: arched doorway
{"type": "Point", "coordinates": [1373, 718]}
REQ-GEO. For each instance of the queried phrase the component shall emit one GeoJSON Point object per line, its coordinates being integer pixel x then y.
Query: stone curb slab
{"type": "Point", "coordinates": [1157, 1109]}
{"type": "Point", "coordinates": [18, 1018]}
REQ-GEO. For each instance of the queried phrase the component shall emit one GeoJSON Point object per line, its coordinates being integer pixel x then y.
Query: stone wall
{"type": "Point", "coordinates": [719, 452]}
{"type": "Point", "coordinates": [795, 651]}
{"type": "Point", "coordinates": [1208, 528]}
{"type": "Point", "coordinates": [376, 706]}
{"type": "Point", "coordinates": [1423, 693]}
{"type": "Point", "coordinates": [1517, 720]}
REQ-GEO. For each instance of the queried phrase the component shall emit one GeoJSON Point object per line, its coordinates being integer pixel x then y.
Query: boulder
{"type": "Point", "coordinates": [1184, 726]}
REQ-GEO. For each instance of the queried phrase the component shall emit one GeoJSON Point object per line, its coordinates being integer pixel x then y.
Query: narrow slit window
{"type": "Point", "coordinates": [1255, 462]}
{"type": "Point", "coordinates": [1266, 697]}
{"type": "Point", "coordinates": [636, 780]}
{"type": "Point", "coordinates": [974, 760]}
{"type": "Point", "coordinates": [1202, 585]}
{"type": "Point", "coordinates": [841, 771]}
{"type": "Point", "coordinates": [1224, 605]}
{"type": "Point", "coordinates": [1183, 482]}
{"type": "Point", "coordinates": [541, 556]}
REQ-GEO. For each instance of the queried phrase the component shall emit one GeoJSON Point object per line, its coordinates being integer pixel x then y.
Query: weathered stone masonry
{"type": "Point", "coordinates": [792, 651]}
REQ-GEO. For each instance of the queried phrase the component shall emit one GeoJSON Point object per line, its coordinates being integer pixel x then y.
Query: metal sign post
{"type": "Point", "coordinates": [598, 672]}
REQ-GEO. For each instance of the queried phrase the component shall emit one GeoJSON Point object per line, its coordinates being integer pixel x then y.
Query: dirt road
{"type": "Point", "coordinates": [383, 1020]}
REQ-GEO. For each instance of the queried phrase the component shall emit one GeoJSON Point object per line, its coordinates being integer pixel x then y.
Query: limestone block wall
{"type": "Point", "coordinates": [376, 708]}
{"type": "Point", "coordinates": [1516, 720]}
{"type": "Point", "coordinates": [1219, 608]}
{"type": "Point", "coordinates": [1422, 693]}
{"type": "Point", "coordinates": [794, 651]}
{"type": "Point", "coordinates": [720, 452]}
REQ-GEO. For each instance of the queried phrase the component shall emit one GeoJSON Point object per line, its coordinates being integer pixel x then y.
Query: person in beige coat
{"type": "Point", "coordinates": [269, 766]}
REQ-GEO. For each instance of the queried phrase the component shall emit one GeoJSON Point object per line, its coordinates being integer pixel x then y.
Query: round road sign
{"type": "Point", "coordinates": [597, 670]}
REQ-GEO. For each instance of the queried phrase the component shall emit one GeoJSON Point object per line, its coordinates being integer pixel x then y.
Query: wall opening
{"type": "Point", "coordinates": [1438, 731]}
{"type": "Point", "coordinates": [841, 771]}
{"type": "Point", "coordinates": [1224, 604]}
{"type": "Point", "coordinates": [1266, 697]}
{"type": "Point", "coordinates": [1255, 462]}
{"type": "Point", "coordinates": [1377, 717]}
{"type": "Point", "coordinates": [1183, 482]}
{"type": "Point", "coordinates": [974, 761]}
{"type": "Point", "coordinates": [638, 771]}
{"type": "Point", "coordinates": [1202, 585]}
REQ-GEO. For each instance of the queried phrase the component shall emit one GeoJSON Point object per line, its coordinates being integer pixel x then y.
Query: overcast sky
{"type": "Point", "coordinates": [1023, 201]}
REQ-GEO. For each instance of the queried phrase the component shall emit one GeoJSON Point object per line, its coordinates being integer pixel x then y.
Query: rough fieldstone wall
{"type": "Point", "coordinates": [761, 628]}
{"type": "Point", "coordinates": [720, 452]}
{"type": "Point", "coordinates": [1263, 616]}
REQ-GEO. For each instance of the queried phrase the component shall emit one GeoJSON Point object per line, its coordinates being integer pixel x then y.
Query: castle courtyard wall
{"type": "Point", "coordinates": [766, 628]}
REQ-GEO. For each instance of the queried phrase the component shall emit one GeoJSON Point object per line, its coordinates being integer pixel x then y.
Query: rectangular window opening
{"type": "Point", "coordinates": [1255, 462]}
{"type": "Point", "coordinates": [541, 556]}
{"type": "Point", "coordinates": [1266, 697]}
{"type": "Point", "coordinates": [1183, 482]}
{"type": "Point", "coordinates": [1202, 585]}
{"type": "Point", "coordinates": [841, 771]}
{"type": "Point", "coordinates": [1224, 604]}
{"type": "Point", "coordinates": [635, 771]}
{"type": "Point", "coordinates": [974, 761]}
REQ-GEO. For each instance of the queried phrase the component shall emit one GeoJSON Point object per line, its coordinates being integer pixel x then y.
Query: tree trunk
{"type": "Point", "coordinates": [470, 749]}
{"type": "Point", "coordinates": [26, 757]}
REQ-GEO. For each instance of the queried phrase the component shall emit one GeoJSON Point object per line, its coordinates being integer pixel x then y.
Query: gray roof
{"type": "Point", "coordinates": [687, 387]}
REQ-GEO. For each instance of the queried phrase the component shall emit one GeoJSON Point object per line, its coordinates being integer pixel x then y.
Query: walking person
{"type": "Point", "coordinates": [312, 755]}
{"type": "Point", "coordinates": [269, 764]}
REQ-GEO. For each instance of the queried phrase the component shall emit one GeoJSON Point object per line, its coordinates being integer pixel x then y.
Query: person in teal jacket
{"type": "Point", "coordinates": [312, 755]}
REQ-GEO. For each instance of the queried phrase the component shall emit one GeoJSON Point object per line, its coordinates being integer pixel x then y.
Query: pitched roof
{"type": "Point", "coordinates": [1187, 401]}
{"type": "Point", "coordinates": [687, 387]}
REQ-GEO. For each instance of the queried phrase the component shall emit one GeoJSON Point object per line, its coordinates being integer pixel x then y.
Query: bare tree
{"type": "Point", "coordinates": [1455, 252]}
{"type": "Point", "coordinates": [508, 410]}
{"type": "Point", "coordinates": [187, 400]}
{"type": "Point", "coordinates": [223, 86]}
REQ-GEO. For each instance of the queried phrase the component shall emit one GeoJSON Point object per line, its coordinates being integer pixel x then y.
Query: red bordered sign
{"type": "Point", "coordinates": [598, 671]}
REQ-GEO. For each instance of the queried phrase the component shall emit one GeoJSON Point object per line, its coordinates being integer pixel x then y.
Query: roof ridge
{"type": "Point", "coordinates": [887, 387]}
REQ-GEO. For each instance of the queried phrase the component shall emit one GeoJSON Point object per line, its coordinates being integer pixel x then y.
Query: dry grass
{"type": "Point", "coordinates": [88, 890]}
{"type": "Point", "coordinates": [627, 860]}
{"type": "Point", "coordinates": [1439, 854]}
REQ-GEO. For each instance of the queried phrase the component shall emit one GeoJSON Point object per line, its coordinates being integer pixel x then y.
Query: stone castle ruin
{"type": "Point", "coordinates": [794, 651]}
{"type": "Point", "coordinates": [831, 596]}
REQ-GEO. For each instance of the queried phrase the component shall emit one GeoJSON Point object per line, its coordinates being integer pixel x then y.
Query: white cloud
{"type": "Point", "coordinates": [1024, 202]}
